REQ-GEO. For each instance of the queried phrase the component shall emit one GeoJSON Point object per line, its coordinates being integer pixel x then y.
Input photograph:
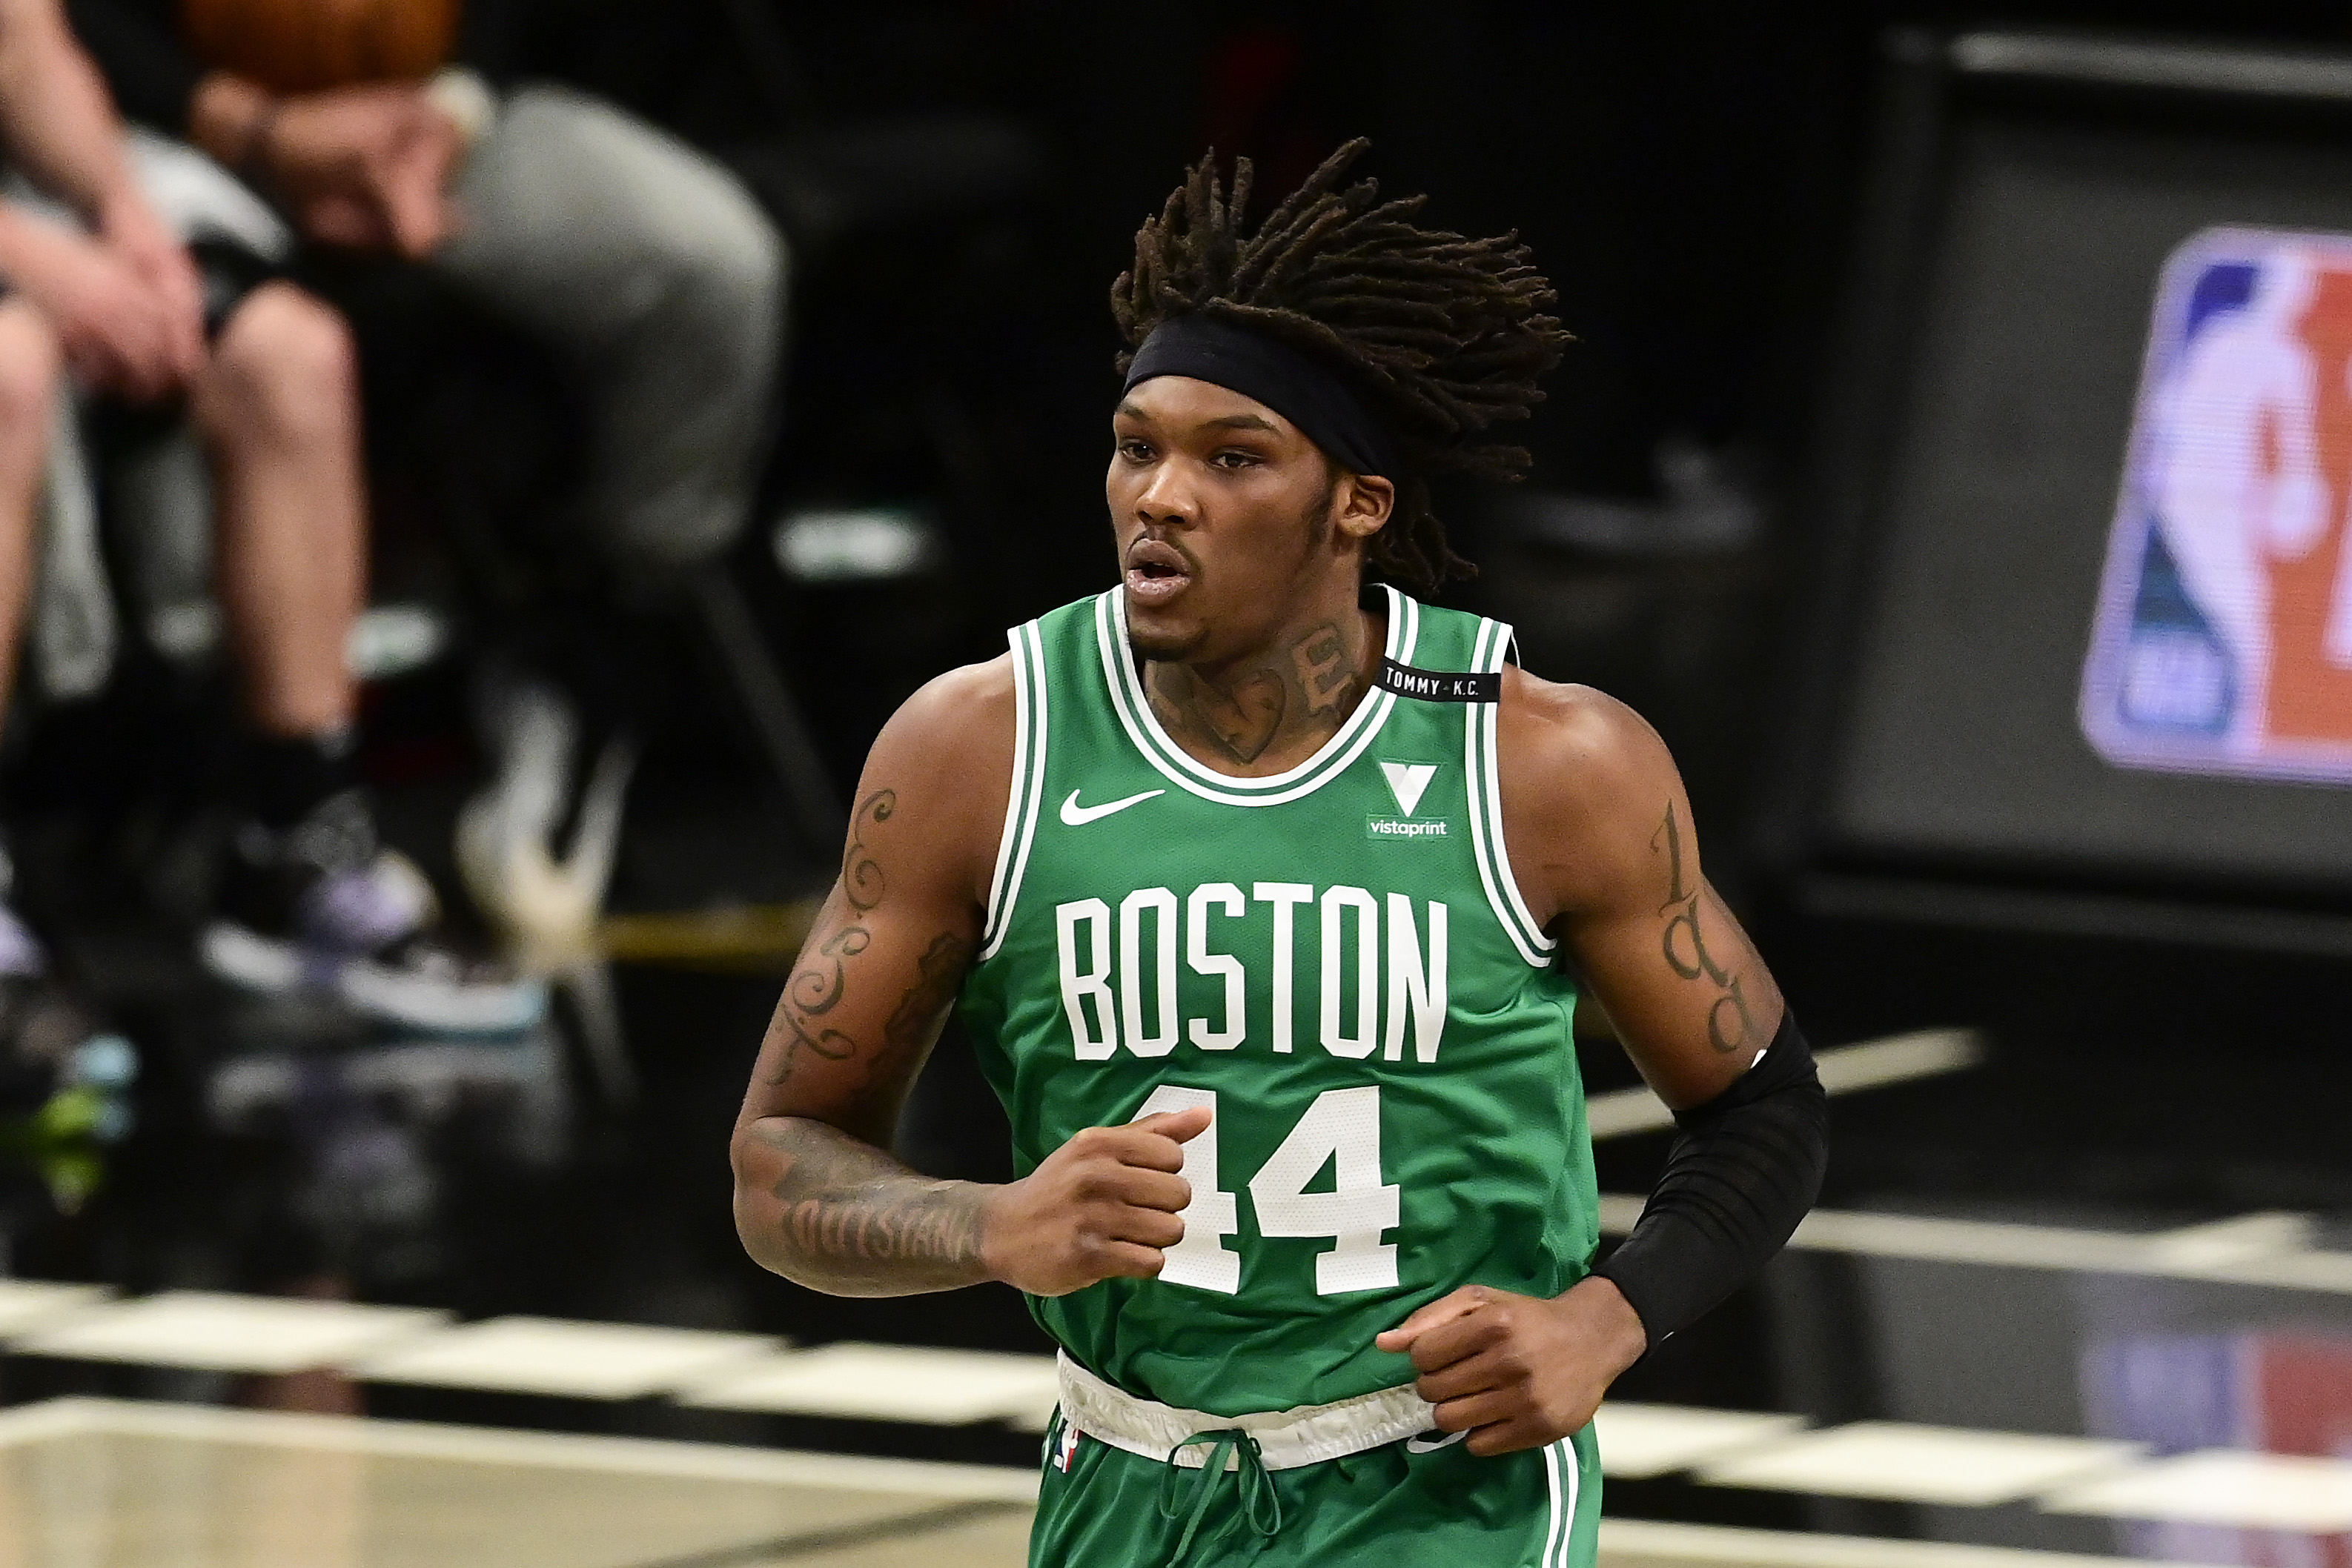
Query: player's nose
{"type": "Point", "coordinates": [1166, 497]}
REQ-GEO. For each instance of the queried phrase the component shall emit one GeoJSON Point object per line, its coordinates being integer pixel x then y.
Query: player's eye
{"type": "Point", "coordinates": [1234, 458]}
{"type": "Point", "coordinates": [1135, 450]}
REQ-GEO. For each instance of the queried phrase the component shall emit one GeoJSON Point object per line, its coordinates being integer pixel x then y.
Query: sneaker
{"type": "Point", "coordinates": [324, 908]}
{"type": "Point", "coordinates": [46, 1033]}
{"type": "Point", "coordinates": [64, 1077]}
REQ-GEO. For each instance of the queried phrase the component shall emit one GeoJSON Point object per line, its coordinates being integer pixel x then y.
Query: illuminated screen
{"type": "Point", "coordinates": [2106, 632]}
{"type": "Point", "coordinates": [2223, 643]}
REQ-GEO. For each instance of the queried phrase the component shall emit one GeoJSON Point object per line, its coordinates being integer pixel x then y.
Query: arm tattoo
{"type": "Point", "coordinates": [850, 1219]}
{"type": "Point", "coordinates": [814, 989]}
{"type": "Point", "coordinates": [1729, 1023]}
{"type": "Point", "coordinates": [857, 1222]}
{"type": "Point", "coordinates": [914, 1021]}
{"type": "Point", "coordinates": [861, 875]}
{"type": "Point", "coordinates": [821, 979]}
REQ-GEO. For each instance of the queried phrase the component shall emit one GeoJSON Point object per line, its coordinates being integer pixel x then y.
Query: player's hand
{"type": "Point", "coordinates": [1519, 1371]}
{"type": "Point", "coordinates": [1101, 1206]}
{"type": "Point", "coordinates": [366, 168]}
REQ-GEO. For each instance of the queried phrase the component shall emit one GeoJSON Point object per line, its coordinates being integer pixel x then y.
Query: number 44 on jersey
{"type": "Point", "coordinates": [1342, 1129]}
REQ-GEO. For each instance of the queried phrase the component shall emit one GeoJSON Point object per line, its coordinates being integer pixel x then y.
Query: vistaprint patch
{"type": "Point", "coordinates": [1402, 828]}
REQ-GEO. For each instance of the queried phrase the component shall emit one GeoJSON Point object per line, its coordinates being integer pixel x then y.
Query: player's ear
{"type": "Point", "coordinates": [1361, 504]}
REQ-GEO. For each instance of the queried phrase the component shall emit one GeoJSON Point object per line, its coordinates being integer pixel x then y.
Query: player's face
{"type": "Point", "coordinates": [1223, 514]}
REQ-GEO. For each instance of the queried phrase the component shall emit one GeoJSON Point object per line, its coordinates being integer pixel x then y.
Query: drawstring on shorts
{"type": "Point", "coordinates": [1230, 1450]}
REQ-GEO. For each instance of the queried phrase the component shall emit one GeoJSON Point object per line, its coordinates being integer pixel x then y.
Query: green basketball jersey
{"type": "Point", "coordinates": [1337, 960]}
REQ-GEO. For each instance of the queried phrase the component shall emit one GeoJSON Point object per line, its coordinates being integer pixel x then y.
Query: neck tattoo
{"type": "Point", "coordinates": [1302, 690]}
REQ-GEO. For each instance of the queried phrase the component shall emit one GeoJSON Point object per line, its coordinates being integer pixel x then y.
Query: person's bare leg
{"type": "Point", "coordinates": [279, 406]}
{"type": "Point", "coordinates": [29, 366]}
{"type": "Point", "coordinates": [31, 372]}
{"type": "Point", "coordinates": [311, 898]}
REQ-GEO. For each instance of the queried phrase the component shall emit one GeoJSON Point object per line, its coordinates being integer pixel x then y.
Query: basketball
{"type": "Point", "coordinates": [304, 45]}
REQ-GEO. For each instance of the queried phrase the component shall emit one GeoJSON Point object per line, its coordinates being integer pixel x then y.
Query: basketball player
{"type": "Point", "coordinates": [1266, 891]}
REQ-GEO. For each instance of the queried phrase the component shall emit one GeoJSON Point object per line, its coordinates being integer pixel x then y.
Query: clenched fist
{"type": "Point", "coordinates": [1517, 1371]}
{"type": "Point", "coordinates": [1101, 1206]}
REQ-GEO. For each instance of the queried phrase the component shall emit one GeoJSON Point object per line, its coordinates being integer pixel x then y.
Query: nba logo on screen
{"type": "Point", "coordinates": [2223, 640]}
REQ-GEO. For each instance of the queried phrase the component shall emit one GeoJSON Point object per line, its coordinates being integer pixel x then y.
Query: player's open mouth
{"type": "Point", "coordinates": [1156, 572]}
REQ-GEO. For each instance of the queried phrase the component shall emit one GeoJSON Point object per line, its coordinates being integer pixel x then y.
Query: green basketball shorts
{"type": "Point", "coordinates": [1402, 1505]}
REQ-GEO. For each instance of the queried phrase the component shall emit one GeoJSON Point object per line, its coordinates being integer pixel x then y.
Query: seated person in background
{"type": "Point", "coordinates": [641, 262]}
{"type": "Point", "coordinates": [268, 382]}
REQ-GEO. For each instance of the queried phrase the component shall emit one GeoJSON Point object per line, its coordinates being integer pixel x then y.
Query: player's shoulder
{"type": "Point", "coordinates": [966, 689]}
{"type": "Point", "coordinates": [1584, 782]}
{"type": "Point", "coordinates": [944, 762]}
{"type": "Point", "coordinates": [961, 717]}
{"type": "Point", "coordinates": [1582, 742]}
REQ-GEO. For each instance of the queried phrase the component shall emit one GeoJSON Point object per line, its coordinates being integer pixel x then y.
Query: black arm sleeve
{"type": "Point", "coordinates": [152, 75]}
{"type": "Point", "coordinates": [1743, 1170]}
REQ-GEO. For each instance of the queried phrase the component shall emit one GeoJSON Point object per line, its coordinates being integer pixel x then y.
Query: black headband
{"type": "Point", "coordinates": [1324, 408]}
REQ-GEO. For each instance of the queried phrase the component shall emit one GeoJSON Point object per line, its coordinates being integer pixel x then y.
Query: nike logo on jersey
{"type": "Point", "coordinates": [1076, 816]}
{"type": "Point", "coordinates": [1429, 1442]}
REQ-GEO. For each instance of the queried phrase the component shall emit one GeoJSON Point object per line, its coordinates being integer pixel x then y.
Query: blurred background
{"type": "Point", "coordinates": [1954, 464]}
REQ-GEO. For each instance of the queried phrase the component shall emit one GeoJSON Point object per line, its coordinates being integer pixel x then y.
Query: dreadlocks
{"type": "Point", "coordinates": [1443, 336]}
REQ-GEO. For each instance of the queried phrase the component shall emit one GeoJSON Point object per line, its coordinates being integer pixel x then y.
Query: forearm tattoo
{"type": "Point", "coordinates": [857, 1222]}
{"type": "Point", "coordinates": [1730, 1025]}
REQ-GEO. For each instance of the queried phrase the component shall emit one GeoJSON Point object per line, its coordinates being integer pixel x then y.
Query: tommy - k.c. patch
{"type": "Point", "coordinates": [1441, 685]}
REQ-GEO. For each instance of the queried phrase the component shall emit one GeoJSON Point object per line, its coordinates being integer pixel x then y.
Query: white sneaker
{"type": "Point", "coordinates": [361, 931]}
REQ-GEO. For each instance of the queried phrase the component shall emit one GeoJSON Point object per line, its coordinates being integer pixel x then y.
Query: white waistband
{"type": "Point", "coordinates": [1305, 1435]}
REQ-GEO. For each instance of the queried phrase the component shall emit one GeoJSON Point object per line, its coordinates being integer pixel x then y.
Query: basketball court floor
{"type": "Point", "coordinates": [102, 1483]}
{"type": "Point", "coordinates": [96, 1483]}
{"type": "Point", "coordinates": [1981, 1381]}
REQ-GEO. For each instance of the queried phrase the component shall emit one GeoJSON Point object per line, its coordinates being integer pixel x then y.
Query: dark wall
{"type": "Point", "coordinates": [1681, 168]}
{"type": "Point", "coordinates": [1684, 170]}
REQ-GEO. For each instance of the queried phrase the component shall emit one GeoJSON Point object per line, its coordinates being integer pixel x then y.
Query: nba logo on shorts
{"type": "Point", "coordinates": [2223, 638]}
